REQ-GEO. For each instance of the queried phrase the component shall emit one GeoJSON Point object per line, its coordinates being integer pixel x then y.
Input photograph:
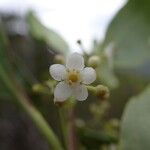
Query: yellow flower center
{"type": "Point", "coordinates": [73, 76]}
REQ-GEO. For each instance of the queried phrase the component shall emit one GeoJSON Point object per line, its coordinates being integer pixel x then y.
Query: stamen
{"type": "Point", "coordinates": [73, 76]}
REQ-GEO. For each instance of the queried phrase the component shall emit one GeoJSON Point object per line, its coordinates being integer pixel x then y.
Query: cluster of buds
{"type": "Point", "coordinates": [74, 78]}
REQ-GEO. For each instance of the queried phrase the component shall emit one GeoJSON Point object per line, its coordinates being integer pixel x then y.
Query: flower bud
{"type": "Point", "coordinates": [59, 59]}
{"type": "Point", "coordinates": [94, 61]}
{"type": "Point", "coordinates": [102, 92]}
{"type": "Point", "coordinates": [37, 88]}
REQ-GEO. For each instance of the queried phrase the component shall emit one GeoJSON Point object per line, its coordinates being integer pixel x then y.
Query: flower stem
{"type": "Point", "coordinates": [91, 89]}
{"type": "Point", "coordinates": [62, 126]}
{"type": "Point", "coordinates": [35, 115]}
{"type": "Point", "coordinates": [72, 137]}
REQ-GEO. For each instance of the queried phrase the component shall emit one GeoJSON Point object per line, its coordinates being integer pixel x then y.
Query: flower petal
{"type": "Point", "coordinates": [88, 75]}
{"type": "Point", "coordinates": [80, 92]}
{"type": "Point", "coordinates": [57, 71]}
{"type": "Point", "coordinates": [75, 61]}
{"type": "Point", "coordinates": [62, 91]}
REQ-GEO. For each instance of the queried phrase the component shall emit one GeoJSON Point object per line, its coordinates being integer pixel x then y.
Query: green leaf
{"type": "Point", "coordinates": [135, 129]}
{"type": "Point", "coordinates": [40, 32]}
{"type": "Point", "coordinates": [130, 31]}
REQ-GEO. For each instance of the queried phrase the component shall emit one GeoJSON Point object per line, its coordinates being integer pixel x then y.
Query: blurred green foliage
{"type": "Point", "coordinates": [135, 133]}
{"type": "Point", "coordinates": [130, 32]}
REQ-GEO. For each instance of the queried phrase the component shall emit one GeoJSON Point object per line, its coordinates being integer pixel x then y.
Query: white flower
{"type": "Point", "coordinates": [73, 78]}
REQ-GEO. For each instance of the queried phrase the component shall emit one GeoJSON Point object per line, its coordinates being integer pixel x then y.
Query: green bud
{"type": "Point", "coordinates": [59, 59]}
{"type": "Point", "coordinates": [102, 92]}
{"type": "Point", "coordinates": [37, 88]}
{"type": "Point", "coordinates": [40, 88]}
{"type": "Point", "coordinates": [94, 61]}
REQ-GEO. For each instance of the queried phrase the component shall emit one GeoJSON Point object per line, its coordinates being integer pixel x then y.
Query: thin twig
{"type": "Point", "coordinates": [72, 138]}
